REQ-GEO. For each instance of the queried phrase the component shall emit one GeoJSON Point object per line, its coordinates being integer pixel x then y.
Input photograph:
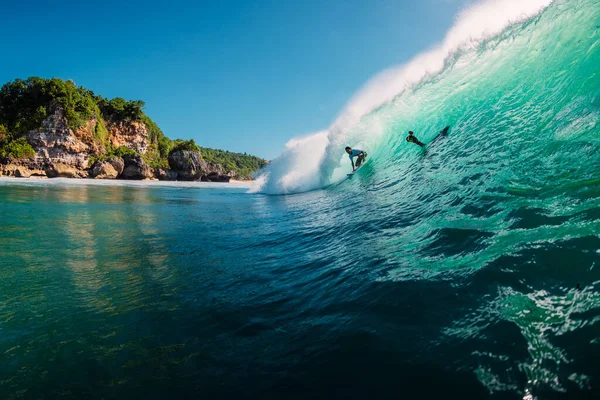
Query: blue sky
{"type": "Point", "coordinates": [243, 76]}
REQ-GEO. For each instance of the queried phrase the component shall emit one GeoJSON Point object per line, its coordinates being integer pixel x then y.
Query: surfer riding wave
{"type": "Point", "coordinates": [356, 153]}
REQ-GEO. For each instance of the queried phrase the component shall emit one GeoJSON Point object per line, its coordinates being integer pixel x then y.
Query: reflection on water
{"type": "Point", "coordinates": [115, 291]}
{"type": "Point", "coordinates": [76, 261]}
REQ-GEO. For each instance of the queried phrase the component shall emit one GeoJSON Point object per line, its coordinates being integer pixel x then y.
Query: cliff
{"type": "Point", "coordinates": [52, 128]}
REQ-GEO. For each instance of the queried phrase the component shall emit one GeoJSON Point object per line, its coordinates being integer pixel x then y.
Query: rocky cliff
{"type": "Point", "coordinates": [63, 152]}
{"type": "Point", "coordinates": [54, 128]}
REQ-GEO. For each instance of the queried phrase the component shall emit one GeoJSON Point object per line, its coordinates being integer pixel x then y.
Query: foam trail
{"type": "Point", "coordinates": [314, 161]}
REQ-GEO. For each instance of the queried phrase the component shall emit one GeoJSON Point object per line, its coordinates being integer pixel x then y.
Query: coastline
{"type": "Point", "coordinates": [241, 182]}
{"type": "Point", "coordinates": [44, 181]}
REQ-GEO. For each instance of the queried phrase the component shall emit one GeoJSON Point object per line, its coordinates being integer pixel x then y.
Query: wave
{"type": "Point", "coordinates": [316, 160]}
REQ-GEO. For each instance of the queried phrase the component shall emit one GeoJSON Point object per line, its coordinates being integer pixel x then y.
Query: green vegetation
{"type": "Point", "coordinates": [244, 165]}
{"type": "Point", "coordinates": [3, 133]}
{"type": "Point", "coordinates": [25, 104]}
{"type": "Point", "coordinates": [119, 109]}
{"type": "Point", "coordinates": [16, 149]}
{"type": "Point", "coordinates": [184, 145]}
{"type": "Point", "coordinates": [100, 132]}
{"type": "Point", "coordinates": [120, 151]}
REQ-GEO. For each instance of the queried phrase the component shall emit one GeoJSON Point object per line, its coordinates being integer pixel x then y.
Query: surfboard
{"type": "Point", "coordinates": [361, 165]}
{"type": "Point", "coordinates": [443, 133]}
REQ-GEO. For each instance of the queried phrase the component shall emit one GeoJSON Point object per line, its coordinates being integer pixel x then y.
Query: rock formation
{"type": "Point", "coordinates": [93, 137]}
{"type": "Point", "coordinates": [189, 166]}
{"type": "Point", "coordinates": [136, 168]}
{"type": "Point", "coordinates": [63, 152]}
{"type": "Point", "coordinates": [103, 170]}
{"type": "Point", "coordinates": [130, 134]}
{"type": "Point", "coordinates": [61, 170]}
{"type": "Point", "coordinates": [55, 142]}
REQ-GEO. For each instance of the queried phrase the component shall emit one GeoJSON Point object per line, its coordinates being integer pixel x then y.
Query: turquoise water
{"type": "Point", "coordinates": [469, 269]}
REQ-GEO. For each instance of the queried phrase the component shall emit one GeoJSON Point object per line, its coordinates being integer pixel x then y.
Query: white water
{"type": "Point", "coordinates": [317, 160]}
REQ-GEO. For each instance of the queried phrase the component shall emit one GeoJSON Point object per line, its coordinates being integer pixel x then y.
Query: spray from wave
{"type": "Point", "coordinates": [292, 173]}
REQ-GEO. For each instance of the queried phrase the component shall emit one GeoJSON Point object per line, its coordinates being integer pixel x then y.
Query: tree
{"type": "Point", "coordinates": [185, 145]}
{"type": "Point", "coordinates": [3, 133]}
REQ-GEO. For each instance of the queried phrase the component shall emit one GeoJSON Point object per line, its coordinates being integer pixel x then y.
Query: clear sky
{"type": "Point", "coordinates": [243, 76]}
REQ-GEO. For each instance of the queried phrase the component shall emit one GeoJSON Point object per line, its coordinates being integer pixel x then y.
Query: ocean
{"type": "Point", "coordinates": [466, 269]}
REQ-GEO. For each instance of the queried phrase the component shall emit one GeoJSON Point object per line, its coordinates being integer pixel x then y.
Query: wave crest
{"type": "Point", "coordinates": [315, 161]}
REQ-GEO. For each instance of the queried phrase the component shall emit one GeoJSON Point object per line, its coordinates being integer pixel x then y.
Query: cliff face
{"type": "Point", "coordinates": [55, 142]}
{"type": "Point", "coordinates": [131, 134]}
{"type": "Point", "coordinates": [63, 152]}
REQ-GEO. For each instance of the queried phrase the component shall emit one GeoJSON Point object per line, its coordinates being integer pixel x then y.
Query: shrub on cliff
{"type": "Point", "coordinates": [154, 156]}
{"type": "Point", "coordinates": [100, 131]}
{"type": "Point", "coordinates": [16, 149]}
{"type": "Point", "coordinates": [184, 145]}
{"type": "Point", "coordinates": [119, 109]}
{"type": "Point", "coordinates": [122, 151]}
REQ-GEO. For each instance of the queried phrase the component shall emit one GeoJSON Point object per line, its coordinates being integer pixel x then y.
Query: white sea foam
{"type": "Point", "coordinates": [313, 161]}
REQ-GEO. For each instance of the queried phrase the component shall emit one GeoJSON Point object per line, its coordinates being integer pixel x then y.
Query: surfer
{"type": "Point", "coordinates": [412, 139]}
{"type": "Point", "coordinates": [356, 153]}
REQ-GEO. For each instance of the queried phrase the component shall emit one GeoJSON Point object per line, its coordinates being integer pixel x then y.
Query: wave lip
{"type": "Point", "coordinates": [314, 161]}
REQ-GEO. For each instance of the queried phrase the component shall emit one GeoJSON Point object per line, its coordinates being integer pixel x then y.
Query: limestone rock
{"type": "Point", "coordinates": [212, 172]}
{"type": "Point", "coordinates": [103, 170]}
{"type": "Point", "coordinates": [188, 164]}
{"type": "Point", "coordinates": [131, 134]}
{"type": "Point", "coordinates": [60, 170]}
{"type": "Point", "coordinates": [214, 177]}
{"type": "Point", "coordinates": [38, 173]}
{"type": "Point", "coordinates": [62, 151]}
{"type": "Point", "coordinates": [21, 170]}
{"type": "Point", "coordinates": [117, 163]}
{"type": "Point", "coordinates": [165, 174]}
{"type": "Point", "coordinates": [136, 168]}
{"type": "Point", "coordinates": [56, 142]}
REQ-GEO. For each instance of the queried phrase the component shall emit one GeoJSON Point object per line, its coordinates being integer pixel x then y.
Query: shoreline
{"type": "Point", "coordinates": [45, 181]}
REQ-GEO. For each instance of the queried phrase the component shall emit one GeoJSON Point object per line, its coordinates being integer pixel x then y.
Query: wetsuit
{"type": "Point", "coordinates": [412, 139]}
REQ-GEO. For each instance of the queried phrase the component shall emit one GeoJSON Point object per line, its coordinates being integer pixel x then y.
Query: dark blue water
{"type": "Point", "coordinates": [179, 292]}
